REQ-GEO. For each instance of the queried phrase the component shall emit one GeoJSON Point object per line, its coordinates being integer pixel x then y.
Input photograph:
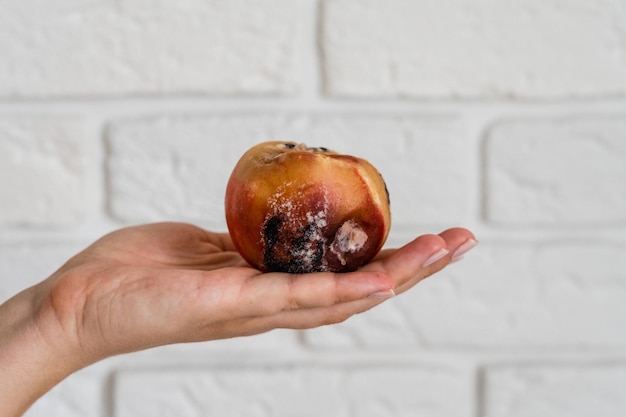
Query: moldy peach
{"type": "Point", "coordinates": [298, 209]}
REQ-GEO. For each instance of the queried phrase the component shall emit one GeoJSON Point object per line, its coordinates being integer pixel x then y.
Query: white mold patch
{"type": "Point", "coordinates": [349, 238]}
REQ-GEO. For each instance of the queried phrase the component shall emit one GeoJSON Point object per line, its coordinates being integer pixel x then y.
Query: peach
{"type": "Point", "coordinates": [298, 209]}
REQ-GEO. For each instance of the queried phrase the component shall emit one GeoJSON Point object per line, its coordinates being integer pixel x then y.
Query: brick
{"type": "Point", "coordinates": [409, 391]}
{"type": "Point", "coordinates": [292, 391]}
{"type": "Point", "coordinates": [557, 172]}
{"type": "Point", "coordinates": [485, 48]}
{"type": "Point", "coordinates": [177, 167]}
{"type": "Point", "coordinates": [78, 48]}
{"type": "Point", "coordinates": [555, 390]}
{"type": "Point", "coordinates": [42, 171]}
{"type": "Point", "coordinates": [503, 295]}
{"type": "Point", "coordinates": [25, 264]}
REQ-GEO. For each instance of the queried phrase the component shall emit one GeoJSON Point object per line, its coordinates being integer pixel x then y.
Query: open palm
{"type": "Point", "coordinates": [164, 283]}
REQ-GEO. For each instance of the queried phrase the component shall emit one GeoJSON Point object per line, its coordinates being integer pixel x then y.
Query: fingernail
{"type": "Point", "coordinates": [434, 258]}
{"type": "Point", "coordinates": [383, 294]}
{"type": "Point", "coordinates": [463, 249]}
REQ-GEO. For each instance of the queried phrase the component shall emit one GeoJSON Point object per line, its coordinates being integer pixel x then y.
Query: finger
{"type": "Point", "coordinates": [458, 241]}
{"type": "Point", "coordinates": [300, 318]}
{"type": "Point", "coordinates": [291, 319]}
{"type": "Point", "coordinates": [270, 294]}
{"type": "Point", "coordinates": [305, 318]}
{"type": "Point", "coordinates": [322, 316]}
{"type": "Point", "coordinates": [406, 262]}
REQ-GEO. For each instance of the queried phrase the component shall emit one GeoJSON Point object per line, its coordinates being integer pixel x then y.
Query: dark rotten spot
{"type": "Point", "coordinates": [271, 235]}
{"type": "Point", "coordinates": [386, 190]}
{"type": "Point", "coordinates": [287, 252]}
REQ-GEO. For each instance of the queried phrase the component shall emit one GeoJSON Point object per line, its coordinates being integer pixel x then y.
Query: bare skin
{"type": "Point", "coordinates": [165, 283]}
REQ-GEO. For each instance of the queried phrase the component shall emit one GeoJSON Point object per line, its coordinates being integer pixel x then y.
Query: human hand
{"type": "Point", "coordinates": [158, 284]}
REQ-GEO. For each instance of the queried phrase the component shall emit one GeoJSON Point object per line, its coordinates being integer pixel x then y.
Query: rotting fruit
{"type": "Point", "coordinates": [298, 209]}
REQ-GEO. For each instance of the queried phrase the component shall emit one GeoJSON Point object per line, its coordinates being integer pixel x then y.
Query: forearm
{"type": "Point", "coordinates": [28, 365]}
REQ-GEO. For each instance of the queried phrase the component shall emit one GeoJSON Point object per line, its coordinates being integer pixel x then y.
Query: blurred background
{"type": "Point", "coordinates": [506, 117]}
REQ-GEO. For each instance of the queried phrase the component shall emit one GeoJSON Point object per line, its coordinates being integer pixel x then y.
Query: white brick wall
{"type": "Point", "coordinates": [484, 48]}
{"type": "Point", "coordinates": [103, 48]}
{"type": "Point", "coordinates": [559, 390]}
{"type": "Point", "coordinates": [34, 151]}
{"type": "Point", "coordinates": [506, 117]}
{"type": "Point", "coordinates": [557, 172]}
{"type": "Point", "coordinates": [294, 391]}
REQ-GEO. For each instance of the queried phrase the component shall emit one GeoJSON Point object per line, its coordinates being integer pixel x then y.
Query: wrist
{"type": "Point", "coordinates": [29, 364]}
